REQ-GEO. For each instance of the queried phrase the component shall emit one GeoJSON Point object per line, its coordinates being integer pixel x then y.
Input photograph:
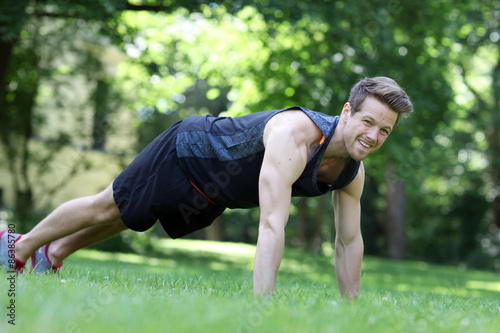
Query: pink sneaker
{"type": "Point", "coordinates": [40, 262]}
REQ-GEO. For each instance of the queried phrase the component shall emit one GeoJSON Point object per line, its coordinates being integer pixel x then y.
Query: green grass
{"type": "Point", "coordinates": [200, 286]}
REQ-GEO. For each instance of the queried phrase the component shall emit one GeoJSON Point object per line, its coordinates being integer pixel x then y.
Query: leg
{"type": "Point", "coordinates": [63, 247]}
{"type": "Point", "coordinates": [67, 219]}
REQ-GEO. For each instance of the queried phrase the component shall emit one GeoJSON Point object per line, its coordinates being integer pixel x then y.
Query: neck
{"type": "Point", "coordinates": [336, 148]}
{"type": "Point", "coordinates": [334, 158]}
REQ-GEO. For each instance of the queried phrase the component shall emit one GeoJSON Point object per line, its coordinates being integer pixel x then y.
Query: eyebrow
{"type": "Point", "coordinates": [374, 121]}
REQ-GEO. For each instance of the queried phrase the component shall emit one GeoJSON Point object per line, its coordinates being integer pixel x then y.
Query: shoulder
{"type": "Point", "coordinates": [293, 123]}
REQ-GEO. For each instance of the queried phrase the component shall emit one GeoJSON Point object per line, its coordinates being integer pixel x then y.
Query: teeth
{"type": "Point", "coordinates": [364, 144]}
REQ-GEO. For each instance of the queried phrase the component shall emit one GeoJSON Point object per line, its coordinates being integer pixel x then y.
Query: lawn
{"type": "Point", "coordinates": [197, 286]}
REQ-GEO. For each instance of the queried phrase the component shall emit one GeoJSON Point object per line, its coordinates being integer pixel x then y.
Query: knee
{"type": "Point", "coordinates": [108, 214]}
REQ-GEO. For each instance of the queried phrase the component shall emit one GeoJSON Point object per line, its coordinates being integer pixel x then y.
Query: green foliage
{"type": "Point", "coordinates": [35, 78]}
{"type": "Point", "coordinates": [12, 19]}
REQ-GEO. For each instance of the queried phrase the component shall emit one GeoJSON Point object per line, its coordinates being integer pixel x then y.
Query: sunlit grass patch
{"type": "Point", "coordinates": [221, 255]}
{"type": "Point", "coordinates": [239, 250]}
{"type": "Point", "coordinates": [483, 285]}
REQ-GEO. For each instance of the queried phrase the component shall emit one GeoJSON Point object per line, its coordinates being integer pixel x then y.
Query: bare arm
{"type": "Point", "coordinates": [348, 241]}
{"type": "Point", "coordinates": [284, 161]}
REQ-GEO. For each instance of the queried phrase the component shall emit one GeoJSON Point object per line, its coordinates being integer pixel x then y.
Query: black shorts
{"type": "Point", "coordinates": [153, 187]}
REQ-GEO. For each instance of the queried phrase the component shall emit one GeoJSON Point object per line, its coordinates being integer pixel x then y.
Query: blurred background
{"type": "Point", "coordinates": [85, 85]}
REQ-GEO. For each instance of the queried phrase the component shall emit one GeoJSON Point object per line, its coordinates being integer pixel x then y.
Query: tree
{"type": "Point", "coordinates": [478, 57]}
{"type": "Point", "coordinates": [35, 64]}
{"type": "Point", "coordinates": [29, 155]}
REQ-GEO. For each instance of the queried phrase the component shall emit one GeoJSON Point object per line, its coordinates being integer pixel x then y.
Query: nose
{"type": "Point", "coordinates": [372, 134]}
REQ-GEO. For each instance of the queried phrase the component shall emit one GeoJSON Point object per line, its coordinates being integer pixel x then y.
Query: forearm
{"type": "Point", "coordinates": [348, 260]}
{"type": "Point", "coordinates": [267, 260]}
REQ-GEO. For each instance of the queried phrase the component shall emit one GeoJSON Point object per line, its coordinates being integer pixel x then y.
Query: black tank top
{"type": "Point", "coordinates": [223, 156]}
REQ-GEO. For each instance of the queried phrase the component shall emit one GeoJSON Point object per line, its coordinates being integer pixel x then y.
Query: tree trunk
{"type": "Point", "coordinates": [5, 55]}
{"type": "Point", "coordinates": [215, 232]}
{"type": "Point", "coordinates": [395, 215]}
{"type": "Point", "coordinates": [24, 204]}
{"type": "Point", "coordinates": [100, 125]}
{"type": "Point", "coordinates": [14, 14]}
{"type": "Point", "coordinates": [317, 240]}
{"type": "Point", "coordinates": [302, 223]}
{"type": "Point", "coordinates": [496, 210]}
{"type": "Point", "coordinates": [494, 141]}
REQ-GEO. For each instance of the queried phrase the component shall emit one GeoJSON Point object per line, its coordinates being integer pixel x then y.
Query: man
{"type": "Point", "coordinates": [188, 175]}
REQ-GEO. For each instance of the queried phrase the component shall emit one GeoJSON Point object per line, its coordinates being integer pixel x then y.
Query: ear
{"type": "Point", "coordinates": [346, 111]}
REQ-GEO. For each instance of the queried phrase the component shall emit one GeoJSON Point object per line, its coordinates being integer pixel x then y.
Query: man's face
{"type": "Point", "coordinates": [366, 130]}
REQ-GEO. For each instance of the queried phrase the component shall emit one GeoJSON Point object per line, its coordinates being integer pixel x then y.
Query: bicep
{"type": "Point", "coordinates": [284, 161]}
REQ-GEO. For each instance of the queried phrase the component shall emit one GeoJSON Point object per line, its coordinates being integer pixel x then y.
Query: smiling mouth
{"type": "Point", "coordinates": [364, 144]}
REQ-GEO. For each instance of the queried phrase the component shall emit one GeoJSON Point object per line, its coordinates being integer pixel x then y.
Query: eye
{"type": "Point", "coordinates": [385, 132]}
{"type": "Point", "coordinates": [367, 122]}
